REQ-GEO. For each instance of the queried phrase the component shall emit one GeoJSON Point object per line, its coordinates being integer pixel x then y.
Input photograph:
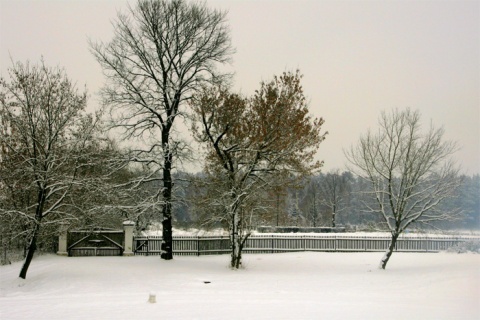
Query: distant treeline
{"type": "Point", "coordinates": [326, 200]}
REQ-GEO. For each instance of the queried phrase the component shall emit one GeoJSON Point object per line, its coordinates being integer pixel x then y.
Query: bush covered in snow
{"type": "Point", "coordinates": [472, 246]}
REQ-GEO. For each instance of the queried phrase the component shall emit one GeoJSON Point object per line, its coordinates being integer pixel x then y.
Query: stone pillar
{"type": "Point", "coordinates": [128, 227]}
{"type": "Point", "coordinates": [62, 240]}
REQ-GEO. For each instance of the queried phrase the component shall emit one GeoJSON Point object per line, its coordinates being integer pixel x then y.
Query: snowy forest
{"type": "Point", "coordinates": [327, 200]}
{"type": "Point", "coordinates": [62, 166]}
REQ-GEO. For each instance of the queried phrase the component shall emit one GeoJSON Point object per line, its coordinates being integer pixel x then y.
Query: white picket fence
{"type": "Point", "coordinates": [207, 245]}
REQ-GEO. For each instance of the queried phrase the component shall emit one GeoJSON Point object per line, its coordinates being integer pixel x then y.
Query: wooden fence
{"type": "Point", "coordinates": [191, 245]}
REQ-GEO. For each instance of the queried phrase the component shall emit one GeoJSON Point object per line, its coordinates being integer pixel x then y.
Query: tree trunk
{"type": "Point", "coordinates": [278, 207]}
{"type": "Point", "coordinates": [167, 239]}
{"type": "Point", "coordinates": [167, 242]}
{"type": "Point", "coordinates": [388, 253]}
{"type": "Point", "coordinates": [236, 260]}
{"type": "Point", "coordinates": [236, 256]}
{"type": "Point", "coordinates": [32, 247]}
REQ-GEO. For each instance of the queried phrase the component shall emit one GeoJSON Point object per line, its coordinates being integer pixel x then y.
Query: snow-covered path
{"type": "Point", "coordinates": [302, 285]}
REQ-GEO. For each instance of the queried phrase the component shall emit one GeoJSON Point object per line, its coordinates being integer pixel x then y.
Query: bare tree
{"type": "Point", "coordinates": [277, 194]}
{"type": "Point", "coordinates": [250, 139]}
{"type": "Point", "coordinates": [310, 201]}
{"type": "Point", "coordinates": [44, 147]}
{"type": "Point", "coordinates": [409, 169]}
{"type": "Point", "coordinates": [161, 53]}
{"type": "Point", "coordinates": [333, 189]}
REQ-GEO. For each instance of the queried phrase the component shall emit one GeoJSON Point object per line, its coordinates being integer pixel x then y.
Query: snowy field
{"type": "Point", "coordinates": [302, 285]}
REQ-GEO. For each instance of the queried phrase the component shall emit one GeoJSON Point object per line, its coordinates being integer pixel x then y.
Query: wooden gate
{"type": "Point", "coordinates": [95, 243]}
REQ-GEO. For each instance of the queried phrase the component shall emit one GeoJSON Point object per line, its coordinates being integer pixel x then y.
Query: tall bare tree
{"type": "Point", "coordinates": [44, 147]}
{"type": "Point", "coordinates": [161, 53]}
{"type": "Point", "coordinates": [278, 194]}
{"type": "Point", "coordinates": [334, 192]}
{"type": "Point", "coordinates": [410, 171]}
{"type": "Point", "coordinates": [250, 139]}
{"type": "Point", "coordinates": [310, 201]}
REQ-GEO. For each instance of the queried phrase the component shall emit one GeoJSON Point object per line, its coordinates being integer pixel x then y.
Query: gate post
{"type": "Point", "coordinates": [62, 240]}
{"type": "Point", "coordinates": [128, 227]}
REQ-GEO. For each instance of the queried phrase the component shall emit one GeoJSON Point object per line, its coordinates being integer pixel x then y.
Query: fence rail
{"type": "Point", "coordinates": [191, 245]}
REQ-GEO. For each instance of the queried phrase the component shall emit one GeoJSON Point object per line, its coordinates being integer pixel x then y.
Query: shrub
{"type": "Point", "coordinates": [470, 246]}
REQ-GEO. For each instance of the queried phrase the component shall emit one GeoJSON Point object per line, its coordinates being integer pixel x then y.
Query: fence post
{"type": "Point", "coordinates": [128, 227]}
{"type": "Point", "coordinates": [198, 245]}
{"type": "Point", "coordinates": [62, 240]}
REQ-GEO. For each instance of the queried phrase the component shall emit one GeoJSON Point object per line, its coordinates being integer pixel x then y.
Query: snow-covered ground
{"type": "Point", "coordinates": [302, 285]}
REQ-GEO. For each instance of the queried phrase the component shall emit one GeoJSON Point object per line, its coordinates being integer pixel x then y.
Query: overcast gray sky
{"type": "Point", "coordinates": [358, 57]}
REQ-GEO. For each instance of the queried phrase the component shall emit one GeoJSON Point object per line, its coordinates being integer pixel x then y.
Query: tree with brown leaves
{"type": "Point", "coordinates": [249, 140]}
